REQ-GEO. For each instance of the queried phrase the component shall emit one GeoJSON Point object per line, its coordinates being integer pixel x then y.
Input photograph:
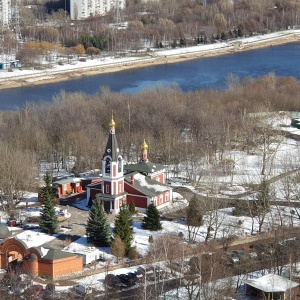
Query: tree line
{"type": "Point", "coordinates": [157, 24]}
{"type": "Point", "coordinates": [183, 130]}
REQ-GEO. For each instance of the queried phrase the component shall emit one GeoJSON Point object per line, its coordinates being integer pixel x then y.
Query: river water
{"type": "Point", "coordinates": [283, 60]}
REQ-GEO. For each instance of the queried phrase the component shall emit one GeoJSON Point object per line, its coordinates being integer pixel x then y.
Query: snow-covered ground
{"type": "Point", "coordinates": [247, 169]}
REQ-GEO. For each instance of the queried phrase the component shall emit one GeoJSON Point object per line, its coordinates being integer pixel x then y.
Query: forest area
{"type": "Point", "coordinates": [180, 128]}
{"type": "Point", "coordinates": [45, 27]}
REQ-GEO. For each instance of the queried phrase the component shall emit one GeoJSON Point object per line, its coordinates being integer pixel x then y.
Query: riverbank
{"type": "Point", "coordinates": [75, 69]}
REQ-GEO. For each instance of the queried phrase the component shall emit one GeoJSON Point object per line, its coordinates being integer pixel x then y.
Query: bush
{"type": "Point", "coordinates": [82, 59]}
{"type": "Point", "coordinates": [132, 253]}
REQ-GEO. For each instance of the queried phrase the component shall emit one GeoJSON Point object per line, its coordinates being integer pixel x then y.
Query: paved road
{"type": "Point", "coordinates": [77, 222]}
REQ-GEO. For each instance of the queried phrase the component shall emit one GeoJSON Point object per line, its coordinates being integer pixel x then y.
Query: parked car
{"type": "Point", "coordinates": [82, 290]}
{"type": "Point", "coordinates": [112, 281]}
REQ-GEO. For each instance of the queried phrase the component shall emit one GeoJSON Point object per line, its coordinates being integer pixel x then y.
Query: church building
{"type": "Point", "coordinates": [142, 183]}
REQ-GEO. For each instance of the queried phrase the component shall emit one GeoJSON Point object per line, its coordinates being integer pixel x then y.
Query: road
{"type": "Point", "coordinates": [76, 223]}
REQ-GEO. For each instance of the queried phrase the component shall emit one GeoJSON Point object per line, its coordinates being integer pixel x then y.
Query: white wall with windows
{"type": "Point", "coordinates": [82, 9]}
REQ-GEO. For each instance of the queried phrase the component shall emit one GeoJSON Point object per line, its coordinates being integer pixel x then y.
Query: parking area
{"type": "Point", "coordinates": [76, 226]}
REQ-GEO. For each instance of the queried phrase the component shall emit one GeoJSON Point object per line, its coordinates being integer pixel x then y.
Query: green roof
{"type": "Point", "coordinates": [54, 254]}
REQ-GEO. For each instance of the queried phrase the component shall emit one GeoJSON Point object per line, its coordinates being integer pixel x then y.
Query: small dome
{"type": "Point", "coordinates": [144, 147]}
{"type": "Point", "coordinates": [112, 123]}
{"type": "Point", "coordinates": [32, 256]}
{"type": "Point", "coordinates": [4, 232]}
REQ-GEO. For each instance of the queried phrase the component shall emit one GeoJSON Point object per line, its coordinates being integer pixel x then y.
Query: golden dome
{"type": "Point", "coordinates": [144, 147]}
{"type": "Point", "coordinates": [112, 123]}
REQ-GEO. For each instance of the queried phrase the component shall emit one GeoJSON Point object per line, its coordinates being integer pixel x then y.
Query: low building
{"type": "Point", "coordinates": [10, 64]}
{"type": "Point", "coordinates": [36, 260]}
{"type": "Point", "coordinates": [272, 286]}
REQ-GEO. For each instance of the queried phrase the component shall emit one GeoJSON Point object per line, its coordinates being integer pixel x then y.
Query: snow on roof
{"type": "Point", "coordinates": [67, 180]}
{"type": "Point", "coordinates": [44, 251]}
{"type": "Point", "coordinates": [149, 183]}
{"type": "Point", "coordinates": [271, 283]}
{"type": "Point", "coordinates": [34, 238]}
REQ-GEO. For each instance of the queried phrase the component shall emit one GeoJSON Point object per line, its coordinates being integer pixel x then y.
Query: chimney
{"type": "Point", "coordinates": [132, 180]}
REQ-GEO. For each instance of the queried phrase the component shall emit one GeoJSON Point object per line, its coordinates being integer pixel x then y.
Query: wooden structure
{"type": "Point", "coordinates": [272, 286]}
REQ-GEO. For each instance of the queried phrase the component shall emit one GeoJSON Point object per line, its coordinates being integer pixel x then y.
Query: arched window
{"type": "Point", "coordinates": [107, 165]}
{"type": "Point", "coordinates": [119, 164]}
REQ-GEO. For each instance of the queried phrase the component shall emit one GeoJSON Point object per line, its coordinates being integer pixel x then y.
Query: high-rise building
{"type": "Point", "coordinates": [5, 13]}
{"type": "Point", "coordinates": [82, 9]}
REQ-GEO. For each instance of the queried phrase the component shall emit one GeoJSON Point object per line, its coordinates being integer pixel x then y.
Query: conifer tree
{"type": "Point", "coordinates": [123, 228]}
{"type": "Point", "coordinates": [152, 219]}
{"type": "Point", "coordinates": [132, 207]}
{"type": "Point", "coordinates": [47, 189]}
{"type": "Point", "coordinates": [194, 217]}
{"type": "Point", "coordinates": [97, 229]}
{"type": "Point", "coordinates": [48, 218]}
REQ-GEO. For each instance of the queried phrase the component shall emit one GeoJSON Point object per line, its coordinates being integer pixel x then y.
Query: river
{"type": "Point", "coordinates": [283, 60]}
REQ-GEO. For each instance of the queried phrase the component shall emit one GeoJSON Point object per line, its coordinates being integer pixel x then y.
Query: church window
{"type": "Point", "coordinates": [107, 165]}
{"type": "Point", "coordinates": [107, 189]}
{"type": "Point", "coordinates": [119, 164]}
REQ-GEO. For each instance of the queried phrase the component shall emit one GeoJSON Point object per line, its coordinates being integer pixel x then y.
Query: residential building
{"type": "Point", "coordinates": [82, 9]}
{"type": "Point", "coordinates": [5, 13]}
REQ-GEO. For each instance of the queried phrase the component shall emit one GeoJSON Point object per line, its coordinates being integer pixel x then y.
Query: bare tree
{"type": "Point", "coordinates": [18, 176]}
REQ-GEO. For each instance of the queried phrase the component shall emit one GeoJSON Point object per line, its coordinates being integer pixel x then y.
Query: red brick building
{"type": "Point", "coordinates": [39, 261]}
{"type": "Point", "coordinates": [141, 183]}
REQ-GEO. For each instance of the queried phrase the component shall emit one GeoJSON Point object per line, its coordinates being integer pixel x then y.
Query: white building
{"type": "Point", "coordinates": [82, 9]}
{"type": "Point", "coordinates": [5, 13]}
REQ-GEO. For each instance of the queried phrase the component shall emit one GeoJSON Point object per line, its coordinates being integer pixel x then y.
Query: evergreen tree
{"type": "Point", "coordinates": [47, 189]}
{"type": "Point", "coordinates": [131, 207]}
{"type": "Point", "coordinates": [97, 229]}
{"type": "Point", "coordinates": [152, 219]}
{"type": "Point", "coordinates": [48, 219]}
{"type": "Point", "coordinates": [194, 217]}
{"type": "Point", "coordinates": [123, 228]}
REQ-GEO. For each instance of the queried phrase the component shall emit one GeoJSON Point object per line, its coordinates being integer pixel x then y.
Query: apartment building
{"type": "Point", "coordinates": [5, 13]}
{"type": "Point", "coordinates": [82, 9]}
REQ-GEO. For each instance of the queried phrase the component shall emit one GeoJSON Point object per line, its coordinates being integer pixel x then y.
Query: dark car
{"type": "Point", "coordinates": [112, 281]}
{"type": "Point", "coordinates": [132, 278]}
